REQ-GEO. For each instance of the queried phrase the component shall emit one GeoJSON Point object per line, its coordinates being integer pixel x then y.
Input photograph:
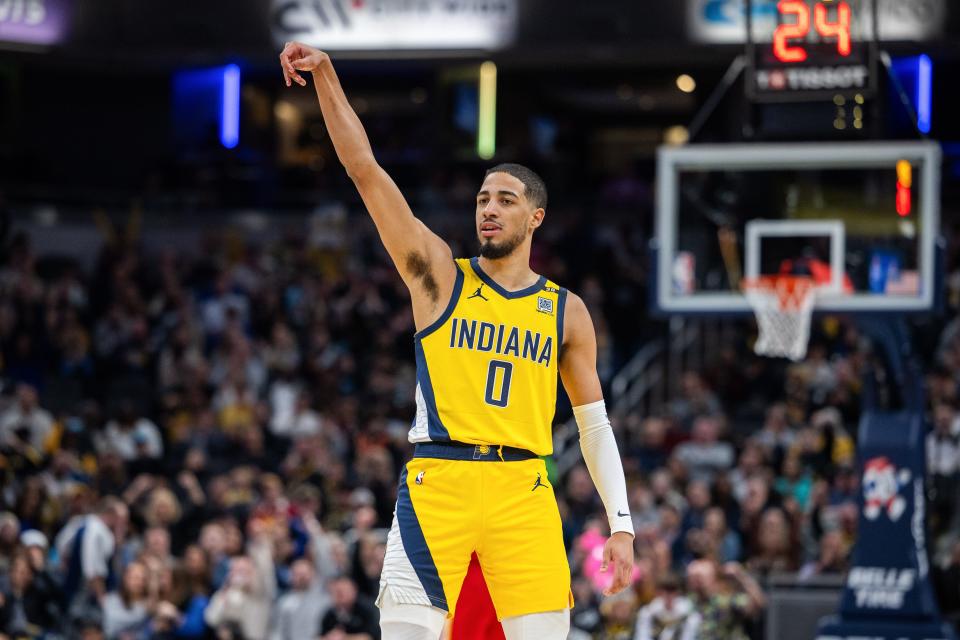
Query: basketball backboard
{"type": "Point", "coordinates": [861, 218]}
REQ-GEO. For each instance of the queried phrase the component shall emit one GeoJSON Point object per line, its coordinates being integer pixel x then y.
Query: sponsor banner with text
{"type": "Point", "coordinates": [888, 592]}
{"type": "Point", "coordinates": [724, 21]}
{"type": "Point", "coordinates": [40, 22]}
{"type": "Point", "coordinates": [396, 24]}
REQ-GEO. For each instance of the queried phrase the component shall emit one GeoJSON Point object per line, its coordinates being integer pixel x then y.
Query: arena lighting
{"type": "Point", "coordinates": [487, 119]}
{"type": "Point", "coordinates": [904, 184]}
{"type": "Point", "coordinates": [676, 135]}
{"type": "Point", "coordinates": [924, 92]}
{"type": "Point", "coordinates": [230, 107]}
{"type": "Point", "coordinates": [916, 76]}
{"type": "Point", "coordinates": [686, 83]}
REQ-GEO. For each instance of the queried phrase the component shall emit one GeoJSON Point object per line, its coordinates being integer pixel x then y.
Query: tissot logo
{"type": "Point", "coordinates": [813, 79]}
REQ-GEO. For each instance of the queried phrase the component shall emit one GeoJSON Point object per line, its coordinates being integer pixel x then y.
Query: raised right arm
{"type": "Point", "coordinates": [423, 259]}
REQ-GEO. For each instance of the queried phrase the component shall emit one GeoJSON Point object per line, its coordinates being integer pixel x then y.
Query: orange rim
{"type": "Point", "coordinates": [791, 291]}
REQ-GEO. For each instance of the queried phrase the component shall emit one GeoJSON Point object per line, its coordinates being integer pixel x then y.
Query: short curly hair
{"type": "Point", "coordinates": [534, 188]}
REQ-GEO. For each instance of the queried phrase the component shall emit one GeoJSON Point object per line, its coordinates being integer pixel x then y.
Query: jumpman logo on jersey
{"type": "Point", "coordinates": [539, 483]}
{"type": "Point", "coordinates": [479, 294]}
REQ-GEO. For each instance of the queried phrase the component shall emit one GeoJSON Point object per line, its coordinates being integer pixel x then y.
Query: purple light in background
{"type": "Point", "coordinates": [34, 22]}
{"type": "Point", "coordinates": [924, 92]}
{"type": "Point", "coordinates": [230, 107]}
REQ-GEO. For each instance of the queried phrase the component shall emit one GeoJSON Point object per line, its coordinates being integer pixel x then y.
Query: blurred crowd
{"type": "Point", "coordinates": [206, 443]}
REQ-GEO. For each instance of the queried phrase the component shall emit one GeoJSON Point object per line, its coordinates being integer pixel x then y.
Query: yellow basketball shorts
{"type": "Point", "coordinates": [455, 499]}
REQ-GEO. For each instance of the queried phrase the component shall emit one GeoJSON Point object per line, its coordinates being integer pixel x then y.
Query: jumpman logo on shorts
{"type": "Point", "coordinates": [539, 483]}
{"type": "Point", "coordinates": [479, 294]}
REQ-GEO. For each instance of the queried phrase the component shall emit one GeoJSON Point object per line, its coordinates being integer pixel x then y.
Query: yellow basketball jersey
{"type": "Point", "coordinates": [487, 368]}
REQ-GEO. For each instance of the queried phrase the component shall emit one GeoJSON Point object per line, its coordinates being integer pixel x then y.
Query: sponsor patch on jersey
{"type": "Point", "coordinates": [545, 305]}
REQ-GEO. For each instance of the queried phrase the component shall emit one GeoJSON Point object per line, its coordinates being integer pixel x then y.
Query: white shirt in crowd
{"type": "Point", "coordinates": [37, 420]}
{"type": "Point", "coordinates": [248, 603]}
{"type": "Point", "coordinates": [286, 421]}
{"type": "Point", "coordinates": [704, 460]}
{"type": "Point", "coordinates": [125, 441]}
{"type": "Point", "coordinates": [96, 549]}
{"type": "Point", "coordinates": [118, 617]}
{"type": "Point", "coordinates": [298, 614]}
{"type": "Point", "coordinates": [213, 312]}
{"type": "Point", "coordinates": [657, 621]}
{"type": "Point", "coordinates": [943, 454]}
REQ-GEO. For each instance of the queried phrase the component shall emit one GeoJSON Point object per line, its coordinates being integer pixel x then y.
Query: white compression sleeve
{"type": "Point", "coordinates": [600, 452]}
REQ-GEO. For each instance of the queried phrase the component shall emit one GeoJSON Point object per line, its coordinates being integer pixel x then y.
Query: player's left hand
{"type": "Point", "coordinates": [618, 551]}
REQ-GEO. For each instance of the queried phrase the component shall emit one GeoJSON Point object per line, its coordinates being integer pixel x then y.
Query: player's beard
{"type": "Point", "coordinates": [492, 251]}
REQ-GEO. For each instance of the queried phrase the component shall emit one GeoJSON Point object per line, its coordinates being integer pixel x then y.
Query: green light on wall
{"type": "Point", "coordinates": [487, 124]}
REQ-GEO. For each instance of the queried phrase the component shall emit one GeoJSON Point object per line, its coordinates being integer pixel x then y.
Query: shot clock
{"type": "Point", "coordinates": [789, 40]}
{"type": "Point", "coordinates": [817, 51]}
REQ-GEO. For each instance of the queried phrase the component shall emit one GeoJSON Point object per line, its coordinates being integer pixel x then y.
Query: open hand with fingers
{"type": "Point", "coordinates": [299, 57]}
{"type": "Point", "coordinates": [618, 557]}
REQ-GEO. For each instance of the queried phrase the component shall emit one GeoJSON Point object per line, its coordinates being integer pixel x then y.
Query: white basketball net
{"type": "Point", "coordinates": [783, 306]}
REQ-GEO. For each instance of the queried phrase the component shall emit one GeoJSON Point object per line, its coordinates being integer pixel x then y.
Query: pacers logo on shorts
{"type": "Point", "coordinates": [480, 450]}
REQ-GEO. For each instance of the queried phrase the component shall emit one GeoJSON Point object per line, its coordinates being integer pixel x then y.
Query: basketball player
{"type": "Point", "coordinates": [491, 337]}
